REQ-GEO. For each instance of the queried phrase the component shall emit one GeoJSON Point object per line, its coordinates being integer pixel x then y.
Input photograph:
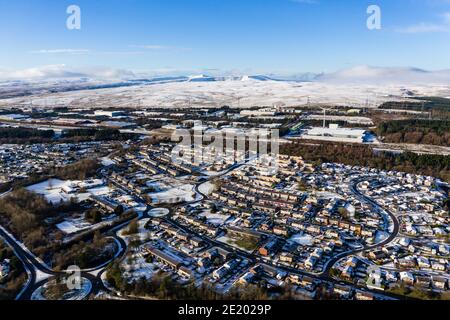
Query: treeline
{"type": "Point", "coordinates": [361, 155]}
{"type": "Point", "coordinates": [78, 170]}
{"type": "Point", "coordinates": [19, 135]}
{"type": "Point", "coordinates": [436, 105]}
{"type": "Point", "coordinates": [26, 215]}
{"type": "Point", "coordinates": [433, 132]}
{"type": "Point", "coordinates": [11, 285]}
{"type": "Point", "coordinates": [85, 254]}
{"type": "Point", "coordinates": [96, 134]}
{"type": "Point", "coordinates": [32, 136]}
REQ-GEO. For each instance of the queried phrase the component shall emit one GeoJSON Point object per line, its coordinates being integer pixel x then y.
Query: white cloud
{"type": "Point", "coordinates": [61, 51]}
{"type": "Point", "coordinates": [425, 27]}
{"type": "Point", "coordinates": [61, 71]}
{"type": "Point", "coordinates": [377, 75]}
{"type": "Point", "coordinates": [355, 75]}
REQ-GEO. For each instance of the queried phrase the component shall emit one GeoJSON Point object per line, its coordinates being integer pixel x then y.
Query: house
{"type": "Point", "coordinates": [437, 266]}
{"type": "Point", "coordinates": [318, 252]}
{"type": "Point", "coordinates": [218, 252]}
{"type": "Point", "coordinates": [407, 277]}
{"type": "Point", "coordinates": [333, 234]}
{"type": "Point", "coordinates": [313, 229]}
{"type": "Point", "coordinates": [440, 283]}
{"type": "Point", "coordinates": [4, 268]}
{"type": "Point", "coordinates": [220, 273]}
{"type": "Point", "coordinates": [407, 262]}
{"type": "Point", "coordinates": [352, 262]}
{"type": "Point", "coordinates": [287, 257]}
{"type": "Point", "coordinates": [196, 241]}
{"type": "Point", "coordinates": [294, 279]}
{"type": "Point", "coordinates": [281, 231]}
{"type": "Point", "coordinates": [169, 260]}
{"type": "Point", "coordinates": [185, 272]}
{"type": "Point", "coordinates": [364, 296]}
{"type": "Point", "coordinates": [308, 283]}
{"type": "Point", "coordinates": [270, 247]}
{"type": "Point", "coordinates": [246, 278]}
{"type": "Point", "coordinates": [423, 281]}
{"type": "Point", "coordinates": [376, 255]}
{"type": "Point", "coordinates": [423, 262]}
{"type": "Point", "coordinates": [347, 272]}
{"type": "Point", "coordinates": [342, 291]}
{"type": "Point", "coordinates": [310, 262]}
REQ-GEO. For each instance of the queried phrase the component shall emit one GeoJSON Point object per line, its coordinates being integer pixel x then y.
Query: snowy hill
{"type": "Point", "coordinates": [351, 86]}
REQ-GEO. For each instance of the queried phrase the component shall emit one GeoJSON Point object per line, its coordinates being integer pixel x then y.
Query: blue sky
{"type": "Point", "coordinates": [227, 35]}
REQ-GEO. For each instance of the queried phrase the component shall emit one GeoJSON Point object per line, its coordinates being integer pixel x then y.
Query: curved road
{"type": "Point", "coordinates": [392, 235]}
{"type": "Point", "coordinates": [39, 273]}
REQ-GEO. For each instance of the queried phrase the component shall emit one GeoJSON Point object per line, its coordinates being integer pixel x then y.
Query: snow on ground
{"type": "Point", "coordinates": [158, 212]}
{"type": "Point", "coordinates": [55, 190]}
{"type": "Point", "coordinates": [327, 195]}
{"type": "Point", "coordinates": [206, 188]}
{"type": "Point", "coordinates": [214, 218]}
{"type": "Point", "coordinates": [232, 242]}
{"type": "Point", "coordinates": [107, 161]}
{"type": "Point", "coordinates": [40, 276]}
{"type": "Point", "coordinates": [380, 236]}
{"type": "Point", "coordinates": [76, 294]}
{"type": "Point", "coordinates": [52, 190]}
{"type": "Point", "coordinates": [250, 93]}
{"type": "Point", "coordinates": [100, 191]}
{"type": "Point", "coordinates": [302, 239]}
{"type": "Point", "coordinates": [73, 225]}
{"type": "Point", "coordinates": [142, 233]}
{"type": "Point", "coordinates": [183, 193]}
{"type": "Point", "coordinates": [68, 227]}
{"type": "Point", "coordinates": [137, 268]}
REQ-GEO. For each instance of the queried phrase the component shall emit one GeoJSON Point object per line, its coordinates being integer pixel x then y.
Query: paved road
{"type": "Point", "coordinates": [325, 274]}
{"type": "Point", "coordinates": [39, 273]}
{"type": "Point", "coordinates": [33, 265]}
{"type": "Point", "coordinates": [392, 235]}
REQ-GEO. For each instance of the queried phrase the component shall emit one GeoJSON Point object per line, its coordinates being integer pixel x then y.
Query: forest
{"type": "Point", "coordinates": [11, 284]}
{"type": "Point", "coordinates": [436, 106]}
{"type": "Point", "coordinates": [361, 155]}
{"type": "Point", "coordinates": [26, 215]}
{"type": "Point", "coordinates": [418, 131]}
{"type": "Point", "coordinates": [32, 136]}
{"type": "Point", "coordinates": [19, 135]}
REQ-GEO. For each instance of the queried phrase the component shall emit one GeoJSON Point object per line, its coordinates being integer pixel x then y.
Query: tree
{"type": "Point", "coordinates": [118, 210]}
{"type": "Point", "coordinates": [93, 215]}
{"type": "Point", "coordinates": [133, 228]}
{"type": "Point", "coordinates": [97, 217]}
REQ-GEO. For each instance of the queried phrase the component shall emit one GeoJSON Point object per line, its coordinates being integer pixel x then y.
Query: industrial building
{"type": "Point", "coordinates": [335, 133]}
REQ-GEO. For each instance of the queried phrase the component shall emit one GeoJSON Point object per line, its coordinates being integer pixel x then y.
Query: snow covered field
{"type": "Point", "coordinates": [183, 193]}
{"type": "Point", "coordinates": [232, 242]}
{"type": "Point", "coordinates": [107, 161]}
{"type": "Point", "coordinates": [69, 227]}
{"type": "Point", "coordinates": [301, 239]}
{"type": "Point", "coordinates": [158, 212]}
{"type": "Point", "coordinates": [214, 218]}
{"type": "Point", "coordinates": [249, 92]}
{"type": "Point", "coordinates": [76, 294]}
{"type": "Point", "coordinates": [206, 188]}
{"type": "Point", "coordinates": [55, 190]}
